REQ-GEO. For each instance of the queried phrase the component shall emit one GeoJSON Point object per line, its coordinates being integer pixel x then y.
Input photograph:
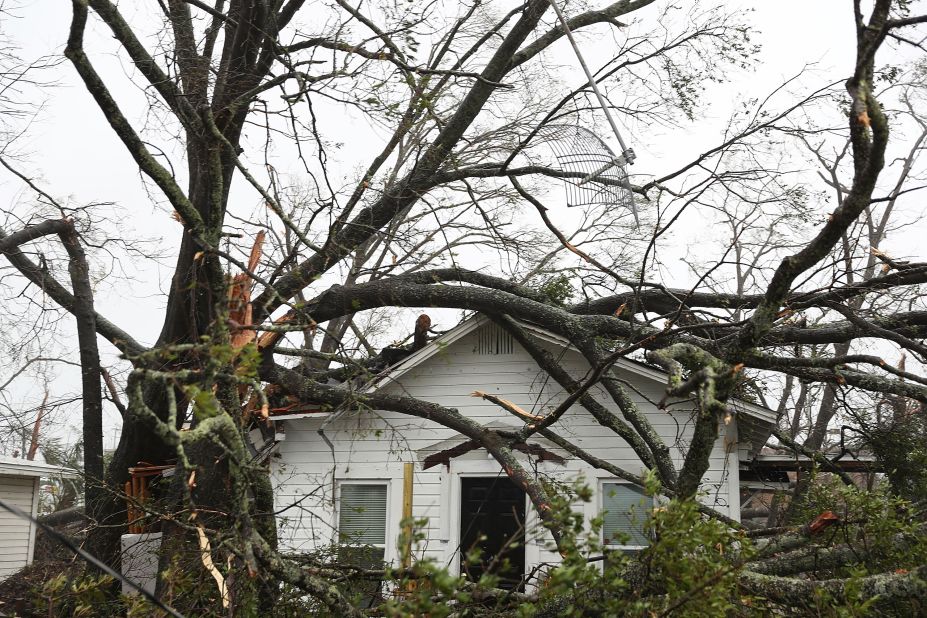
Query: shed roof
{"type": "Point", "coordinates": [14, 466]}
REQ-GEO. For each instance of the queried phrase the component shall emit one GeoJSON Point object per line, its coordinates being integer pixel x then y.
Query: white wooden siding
{"type": "Point", "coordinates": [373, 445]}
{"type": "Point", "coordinates": [16, 534]}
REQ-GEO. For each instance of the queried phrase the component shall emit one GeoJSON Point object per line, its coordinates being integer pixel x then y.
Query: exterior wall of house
{"type": "Point", "coordinates": [16, 535]}
{"type": "Point", "coordinates": [372, 446]}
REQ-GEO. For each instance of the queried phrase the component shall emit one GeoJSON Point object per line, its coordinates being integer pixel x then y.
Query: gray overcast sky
{"type": "Point", "coordinates": [70, 149]}
{"type": "Point", "coordinates": [73, 150]}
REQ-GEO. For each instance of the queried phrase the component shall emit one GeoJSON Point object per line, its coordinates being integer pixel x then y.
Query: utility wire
{"type": "Point", "coordinates": [89, 558]}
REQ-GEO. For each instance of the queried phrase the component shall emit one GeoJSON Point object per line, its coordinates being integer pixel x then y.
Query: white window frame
{"type": "Point", "coordinates": [603, 482]}
{"type": "Point", "coordinates": [387, 547]}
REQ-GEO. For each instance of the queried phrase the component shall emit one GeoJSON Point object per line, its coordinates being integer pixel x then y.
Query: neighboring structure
{"type": "Point", "coordinates": [775, 471]}
{"type": "Point", "coordinates": [19, 486]}
{"type": "Point", "coordinates": [343, 477]}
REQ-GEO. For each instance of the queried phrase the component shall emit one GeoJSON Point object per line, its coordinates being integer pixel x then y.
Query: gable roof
{"type": "Point", "coordinates": [754, 426]}
{"type": "Point", "coordinates": [759, 413]}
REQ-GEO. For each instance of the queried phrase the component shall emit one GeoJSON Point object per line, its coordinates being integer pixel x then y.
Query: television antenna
{"type": "Point", "coordinates": [577, 148]}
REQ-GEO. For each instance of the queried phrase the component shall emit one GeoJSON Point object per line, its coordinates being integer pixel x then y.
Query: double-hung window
{"type": "Point", "coordinates": [362, 532]}
{"type": "Point", "coordinates": [362, 517]}
{"type": "Point", "coordinates": [626, 509]}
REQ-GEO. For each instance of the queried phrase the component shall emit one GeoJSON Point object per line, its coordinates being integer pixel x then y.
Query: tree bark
{"type": "Point", "coordinates": [92, 397]}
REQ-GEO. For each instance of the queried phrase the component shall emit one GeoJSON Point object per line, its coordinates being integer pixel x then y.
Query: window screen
{"type": "Point", "coordinates": [362, 514]}
{"type": "Point", "coordinates": [627, 509]}
{"type": "Point", "coordinates": [362, 528]}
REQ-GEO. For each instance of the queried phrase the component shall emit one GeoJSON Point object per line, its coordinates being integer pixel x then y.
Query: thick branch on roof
{"type": "Point", "coordinates": [600, 413]}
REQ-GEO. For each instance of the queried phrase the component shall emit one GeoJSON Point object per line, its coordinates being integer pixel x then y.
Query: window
{"type": "Point", "coordinates": [362, 533]}
{"type": "Point", "coordinates": [626, 511]}
{"type": "Point", "coordinates": [362, 515]}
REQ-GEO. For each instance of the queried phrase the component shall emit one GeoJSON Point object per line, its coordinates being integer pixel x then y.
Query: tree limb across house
{"type": "Point", "coordinates": [296, 309]}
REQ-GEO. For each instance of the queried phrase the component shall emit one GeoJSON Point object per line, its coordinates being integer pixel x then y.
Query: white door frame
{"type": "Point", "coordinates": [451, 495]}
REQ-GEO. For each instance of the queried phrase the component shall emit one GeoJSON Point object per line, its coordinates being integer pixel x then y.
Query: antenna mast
{"type": "Point", "coordinates": [627, 154]}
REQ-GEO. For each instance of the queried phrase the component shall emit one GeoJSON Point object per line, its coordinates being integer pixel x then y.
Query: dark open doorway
{"type": "Point", "coordinates": [492, 518]}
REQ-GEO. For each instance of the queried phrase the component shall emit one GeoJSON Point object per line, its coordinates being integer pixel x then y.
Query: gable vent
{"type": "Point", "coordinates": [492, 340]}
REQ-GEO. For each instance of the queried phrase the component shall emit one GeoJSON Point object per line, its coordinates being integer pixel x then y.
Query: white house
{"type": "Point", "coordinates": [19, 486]}
{"type": "Point", "coordinates": [343, 474]}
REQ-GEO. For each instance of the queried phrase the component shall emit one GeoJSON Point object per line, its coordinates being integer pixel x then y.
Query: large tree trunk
{"type": "Point", "coordinates": [92, 398]}
{"type": "Point", "coordinates": [197, 299]}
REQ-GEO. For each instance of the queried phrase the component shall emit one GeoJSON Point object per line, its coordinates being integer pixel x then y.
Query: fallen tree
{"type": "Point", "coordinates": [388, 242]}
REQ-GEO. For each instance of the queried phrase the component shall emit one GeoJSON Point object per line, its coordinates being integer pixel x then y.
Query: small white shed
{"type": "Point", "coordinates": [19, 486]}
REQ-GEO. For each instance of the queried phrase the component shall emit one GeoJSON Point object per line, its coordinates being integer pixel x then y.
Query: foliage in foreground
{"type": "Point", "coordinates": [694, 567]}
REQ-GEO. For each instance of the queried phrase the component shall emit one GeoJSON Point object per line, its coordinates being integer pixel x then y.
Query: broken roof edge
{"type": "Point", "coordinates": [458, 438]}
{"type": "Point", "coordinates": [393, 373]}
{"type": "Point", "coordinates": [773, 458]}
